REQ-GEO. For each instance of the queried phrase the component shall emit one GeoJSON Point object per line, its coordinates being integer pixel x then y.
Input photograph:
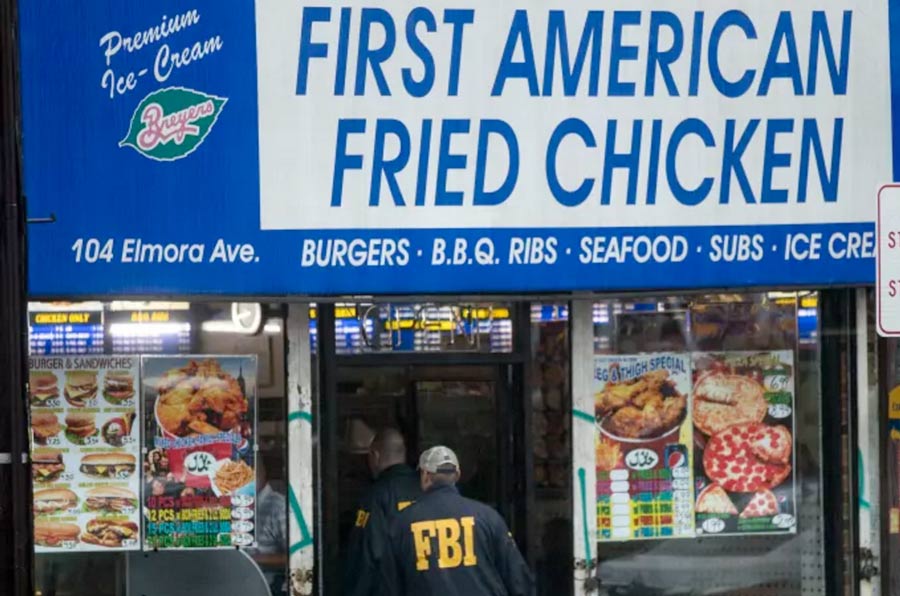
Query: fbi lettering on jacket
{"type": "Point", "coordinates": [450, 541]}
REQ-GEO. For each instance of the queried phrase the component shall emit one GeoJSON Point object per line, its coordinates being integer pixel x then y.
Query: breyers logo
{"type": "Point", "coordinates": [171, 123]}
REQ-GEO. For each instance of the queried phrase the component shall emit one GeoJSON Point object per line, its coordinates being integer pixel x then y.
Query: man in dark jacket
{"type": "Point", "coordinates": [395, 488]}
{"type": "Point", "coordinates": [447, 545]}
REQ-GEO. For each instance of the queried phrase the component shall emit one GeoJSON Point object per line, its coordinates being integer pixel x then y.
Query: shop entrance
{"type": "Point", "coordinates": [452, 393]}
{"type": "Point", "coordinates": [430, 405]}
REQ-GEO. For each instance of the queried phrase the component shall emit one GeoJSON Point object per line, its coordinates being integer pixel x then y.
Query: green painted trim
{"type": "Point", "coordinates": [306, 539]}
{"type": "Point", "coordinates": [300, 416]}
{"type": "Point", "coordinates": [584, 518]}
{"type": "Point", "coordinates": [300, 546]}
{"type": "Point", "coordinates": [863, 503]}
{"type": "Point", "coordinates": [305, 535]}
{"type": "Point", "coordinates": [584, 416]}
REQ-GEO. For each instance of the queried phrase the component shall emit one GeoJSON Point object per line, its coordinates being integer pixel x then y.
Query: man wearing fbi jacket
{"type": "Point", "coordinates": [447, 545]}
{"type": "Point", "coordinates": [396, 487]}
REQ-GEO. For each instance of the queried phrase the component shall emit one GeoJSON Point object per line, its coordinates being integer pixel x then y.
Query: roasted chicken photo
{"type": "Point", "coordinates": [645, 407]}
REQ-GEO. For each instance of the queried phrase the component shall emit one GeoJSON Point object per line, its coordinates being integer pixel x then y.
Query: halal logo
{"type": "Point", "coordinates": [171, 123]}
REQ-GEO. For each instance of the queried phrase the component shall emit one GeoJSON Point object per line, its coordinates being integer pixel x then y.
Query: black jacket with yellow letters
{"type": "Point", "coordinates": [448, 545]}
{"type": "Point", "coordinates": [395, 488]}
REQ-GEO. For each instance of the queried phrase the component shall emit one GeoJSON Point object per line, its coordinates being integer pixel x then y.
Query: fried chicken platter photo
{"type": "Point", "coordinates": [200, 399]}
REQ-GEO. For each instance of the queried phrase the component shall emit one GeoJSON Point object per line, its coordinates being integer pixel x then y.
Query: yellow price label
{"type": "Point", "coordinates": [894, 403]}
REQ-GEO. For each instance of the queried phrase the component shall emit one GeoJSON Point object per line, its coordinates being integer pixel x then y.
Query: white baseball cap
{"type": "Point", "coordinates": [438, 459]}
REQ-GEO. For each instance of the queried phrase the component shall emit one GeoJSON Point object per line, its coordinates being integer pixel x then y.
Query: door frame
{"type": "Point", "coordinates": [513, 414]}
{"type": "Point", "coordinates": [838, 362]}
{"type": "Point", "coordinates": [887, 380]}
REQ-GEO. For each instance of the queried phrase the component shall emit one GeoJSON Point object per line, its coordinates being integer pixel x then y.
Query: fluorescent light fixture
{"type": "Point", "coordinates": [218, 327]}
{"type": "Point", "coordinates": [118, 305]}
{"type": "Point", "coordinates": [273, 326]}
{"type": "Point", "coordinates": [65, 306]}
{"type": "Point", "coordinates": [148, 329]}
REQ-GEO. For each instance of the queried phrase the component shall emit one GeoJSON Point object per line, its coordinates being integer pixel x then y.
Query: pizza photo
{"type": "Point", "coordinates": [714, 499]}
{"type": "Point", "coordinates": [762, 504]}
{"type": "Point", "coordinates": [749, 457]}
{"type": "Point", "coordinates": [742, 413]}
{"type": "Point", "coordinates": [721, 400]}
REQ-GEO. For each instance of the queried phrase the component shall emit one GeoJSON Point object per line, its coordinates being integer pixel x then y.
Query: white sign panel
{"type": "Point", "coordinates": [527, 115]}
{"type": "Point", "coordinates": [888, 261]}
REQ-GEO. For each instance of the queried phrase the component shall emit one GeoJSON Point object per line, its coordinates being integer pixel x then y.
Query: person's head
{"type": "Point", "coordinates": [387, 449]}
{"type": "Point", "coordinates": [157, 487]}
{"type": "Point", "coordinates": [155, 456]}
{"type": "Point", "coordinates": [438, 467]}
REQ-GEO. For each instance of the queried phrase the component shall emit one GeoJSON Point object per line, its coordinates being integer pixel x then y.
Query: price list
{"type": "Point", "coordinates": [188, 522]}
{"type": "Point", "coordinates": [641, 504]}
{"type": "Point", "coordinates": [150, 332]}
{"type": "Point", "coordinates": [58, 333]}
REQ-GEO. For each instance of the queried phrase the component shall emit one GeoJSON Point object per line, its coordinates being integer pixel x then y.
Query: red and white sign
{"type": "Point", "coordinates": [888, 260]}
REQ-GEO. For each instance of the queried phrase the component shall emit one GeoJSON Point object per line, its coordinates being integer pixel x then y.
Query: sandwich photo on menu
{"type": "Point", "coordinates": [81, 387]}
{"type": "Point", "coordinates": [54, 534]}
{"type": "Point", "coordinates": [80, 427]}
{"type": "Point", "coordinates": [47, 465]}
{"type": "Point", "coordinates": [108, 465]}
{"type": "Point", "coordinates": [111, 533]}
{"type": "Point", "coordinates": [44, 426]}
{"type": "Point", "coordinates": [118, 387]}
{"type": "Point", "coordinates": [110, 499]}
{"type": "Point", "coordinates": [117, 430]}
{"type": "Point", "coordinates": [54, 500]}
{"type": "Point", "coordinates": [43, 387]}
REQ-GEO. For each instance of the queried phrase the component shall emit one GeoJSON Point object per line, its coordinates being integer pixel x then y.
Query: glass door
{"type": "Point", "coordinates": [463, 416]}
{"type": "Point", "coordinates": [458, 405]}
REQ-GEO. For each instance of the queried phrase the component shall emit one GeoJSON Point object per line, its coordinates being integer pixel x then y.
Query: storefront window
{"type": "Point", "coordinates": [244, 368]}
{"type": "Point", "coordinates": [708, 445]}
{"type": "Point", "coordinates": [551, 446]}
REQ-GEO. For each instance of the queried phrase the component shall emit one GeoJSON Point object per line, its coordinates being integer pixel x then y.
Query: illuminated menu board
{"type": "Point", "coordinates": [53, 333]}
{"type": "Point", "coordinates": [149, 331]}
{"type": "Point", "coordinates": [414, 328]}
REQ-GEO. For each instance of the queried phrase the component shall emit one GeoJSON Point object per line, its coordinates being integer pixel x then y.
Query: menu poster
{"type": "Point", "coordinates": [743, 415]}
{"type": "Point", "coordinates": [643, 447]}
{"type": "Point", "coordinates": [199, 451]}
{"type": "Point", "coordinates": [84, 453]}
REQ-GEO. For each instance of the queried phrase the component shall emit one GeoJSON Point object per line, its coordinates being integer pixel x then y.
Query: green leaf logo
{"type": "Point", "coordinates": [171, 123]}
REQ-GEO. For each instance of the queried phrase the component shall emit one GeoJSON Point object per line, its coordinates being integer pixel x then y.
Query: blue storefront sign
{"type": "Point", "coordinates": [284, 147]}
